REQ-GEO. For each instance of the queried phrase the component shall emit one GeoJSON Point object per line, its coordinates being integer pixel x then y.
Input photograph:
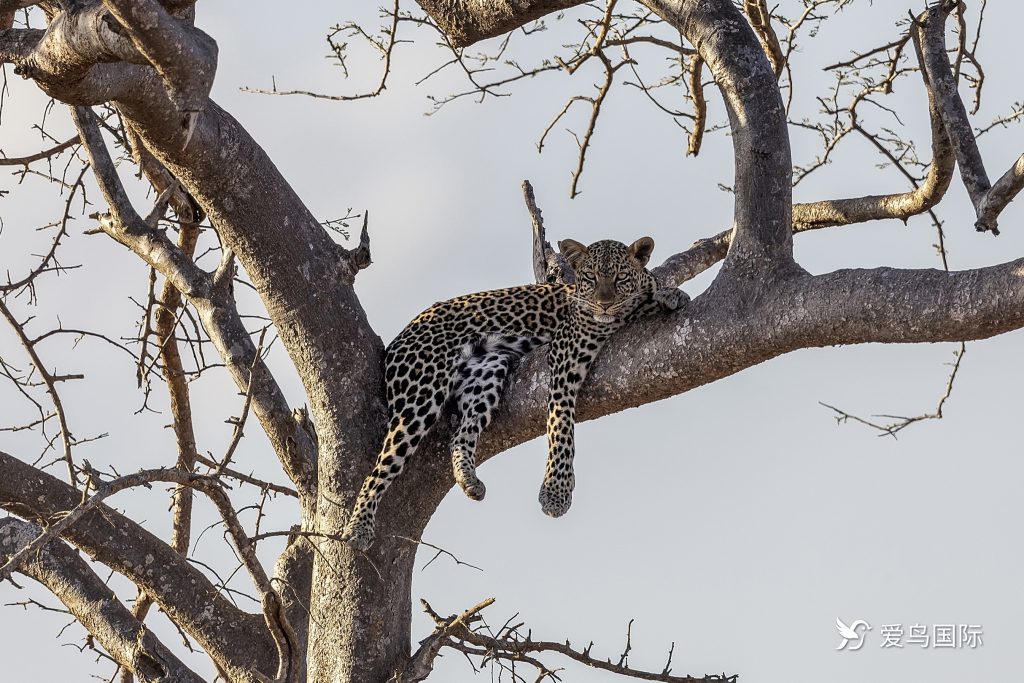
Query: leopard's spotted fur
{"type": "Point", "coordinates": [464, 349]}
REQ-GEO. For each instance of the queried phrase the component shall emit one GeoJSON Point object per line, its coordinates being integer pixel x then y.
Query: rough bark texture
{"type": "Point", "coordinates": [67, 576]}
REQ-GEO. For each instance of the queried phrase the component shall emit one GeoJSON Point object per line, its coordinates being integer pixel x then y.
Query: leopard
{"type": "Point", "coordinates": [462, 352]}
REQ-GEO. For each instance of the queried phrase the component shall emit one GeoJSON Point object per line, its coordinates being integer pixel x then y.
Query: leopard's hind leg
{"type": "Point", "coordinates": [482, 380]}
{"type": "Point", "coordinates": [414, 416]}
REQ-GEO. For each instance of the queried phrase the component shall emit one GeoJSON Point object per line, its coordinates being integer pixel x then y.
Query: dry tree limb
{"type": "Point", "coordinates": [694, 75]}
{"type": "Point", "coordinates": [548, 265]}
{"type": "Point", "coordinates": [67, 575]}
{"type": "Point", "coordinates": [901, 422]}
{"type": "Point", "coordinates": [682, 50]}
{"type": "Point", "coordinates": [38, 156]}
{"type": "Point", "coordinates": [386, 52]}
{"type": "Point", "coordinates": [761, 20]}
{"type": "Point", "coordinates": [177, 389]}
{"type": "Point", "coordinates": [246, 478]}
{"type": "Point", "coordinates": [280, 629]}
{"type": "Point", "coordinates": [211, 296]}
{"type": "Point", "coordinates": [422, 662]}
{"type": "Point", "coordinates": [1001, 194]}
{"type": "Point", "coordinates": [238, 423]}
{"type": "Point", "coordinates": [49, 261]}
{"type": "Point", "coordinates": [50, 381]}
{"type": "Point", "coordinates": [511, 644]}
{"type": "Point", "coordinates": [595, 112]}
{"type": "Point", "coordinates": [988, 199]}
{"type": "Point", "coordinates": [951, 107]}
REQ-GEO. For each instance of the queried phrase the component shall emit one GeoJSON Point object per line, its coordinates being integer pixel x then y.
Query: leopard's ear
{"type": "Point", "coordinates": [641, 250]}
{"type": "Point", "coordinates": [573, 251]}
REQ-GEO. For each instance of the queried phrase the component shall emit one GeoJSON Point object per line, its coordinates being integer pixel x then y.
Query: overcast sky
{"type": "Point", "coordinates": [738, 520]}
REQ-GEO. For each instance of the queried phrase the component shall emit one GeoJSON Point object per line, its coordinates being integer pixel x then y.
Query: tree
{"type": "Point", "coordinates": [329, 613]}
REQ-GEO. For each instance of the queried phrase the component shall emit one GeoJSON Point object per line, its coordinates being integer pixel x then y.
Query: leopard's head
{"type": "Point", "coordinates": [611, 279]}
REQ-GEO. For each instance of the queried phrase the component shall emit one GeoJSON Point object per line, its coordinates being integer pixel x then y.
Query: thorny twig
{"type": "Point", "coordinates": [902, 422]}
{"type": "Point", "coordinates": [468, 633]}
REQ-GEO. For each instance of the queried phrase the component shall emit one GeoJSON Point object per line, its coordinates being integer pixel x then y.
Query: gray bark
{"type": "Point", "coordinates": [236, 638]}
{"type": "Point", "coordinates": [87, 597]}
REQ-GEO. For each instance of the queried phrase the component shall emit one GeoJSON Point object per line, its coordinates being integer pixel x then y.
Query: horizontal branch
{"type": "Point", "coordinates": [512, 645]}
{"type": "Point", "coordinates": [44, 154]}
{"type": "Point", "coordinates": [734, 326]}
{"type": "Point", "coordinates": [63, 571]}
{"type": "Point", "coordinates": [683, 266]}
{"type": "Point", "coordinates": [232, 636]}
{"type": "Point", "coordinates": [468, 21]}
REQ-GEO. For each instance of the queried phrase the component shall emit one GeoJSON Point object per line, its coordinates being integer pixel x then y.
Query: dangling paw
{"type": "Point", "coordinates": [473, 488]}
{"type": "Point", "coordinates": [555, 497]}
{"type": "Point", "coordinates": [464, 470]}
{"type": "Point", "coordinates": [358, 533]}
{"type": "Point", "coordinates": [670, 299]}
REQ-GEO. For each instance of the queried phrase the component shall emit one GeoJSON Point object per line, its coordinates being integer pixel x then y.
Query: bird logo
{"type": "Point", "coordinates": [849, 634]}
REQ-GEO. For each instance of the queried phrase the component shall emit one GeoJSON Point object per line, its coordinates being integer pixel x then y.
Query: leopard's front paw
{"type": "Point", "coordinates": [473, 487]}
{"type": "Point", "coordinates": [358, 534]}
{"type": "Point", "coordinates": [555, 498]}
{"type": "Point", "coordinates": [671, 298]}
{"type": "Point", "coordinates": [464, 470]}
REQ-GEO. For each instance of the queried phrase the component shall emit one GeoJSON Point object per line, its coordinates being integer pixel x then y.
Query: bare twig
{"type": "Point", "coordinates": [38, 156]}
{"type": "Point", "coordinates": [901, 422]}
{"type": "Point", "coordinates": [512, 645]}
{"type": "Point", "coordinates": [386, 52]}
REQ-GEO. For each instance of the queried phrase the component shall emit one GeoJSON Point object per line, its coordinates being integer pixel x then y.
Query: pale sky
{"type": "Point", "coordinates": [737, 520]}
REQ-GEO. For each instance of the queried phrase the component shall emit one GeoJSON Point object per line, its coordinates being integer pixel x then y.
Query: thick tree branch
{"type": "Point", "coordinates": [762, 214]}
{"type": "Point", "coordinates": [1001, 194]}
{"type": "Point", "coordinates": [695, 82]}
{"type": "Point", "coordinates": [88, 598]}
{"type": "Point", "coordinates": [16, 44]}
{"type": "Point", "coordinates": [735, 326]}
{"type": "Point", "coordinates": [304, 279]}
{"type": "Point", "coordinates": [959, 128]}
{"type": "Point", "coordinates": [901, 205]}
{"type": "Point", "coordinates": [74, 41]}
{"type": "Point", "coordinates": [761, 21]}
{"type": "Point", "coordinates": [213, 299]}
{"type": "Point", "coordinates": [468, 21]}
{"type": "Point", "coordinates": [184, 56]}
{"type": "Point", "coordinates": [276, 621]}
{"type": "Point", "coordinates": [181, 590]}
